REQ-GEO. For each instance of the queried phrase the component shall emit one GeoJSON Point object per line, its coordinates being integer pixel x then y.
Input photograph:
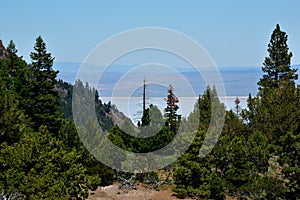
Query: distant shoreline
{"type": "Point", "coordinates": [130, 106]}
{"type": "Point", "coordinates": [187, 98]}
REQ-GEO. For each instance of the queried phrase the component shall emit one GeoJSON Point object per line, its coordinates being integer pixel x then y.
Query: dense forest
{"type": "Point", "coordinates": [42, 157]}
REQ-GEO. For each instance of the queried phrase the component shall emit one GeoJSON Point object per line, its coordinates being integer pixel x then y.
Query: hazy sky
{"type": "Point", "coordinates": [234, 33]}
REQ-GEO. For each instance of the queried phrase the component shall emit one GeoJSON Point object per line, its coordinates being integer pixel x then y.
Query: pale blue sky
{"type": "Point", "coordinates": [235, 33]}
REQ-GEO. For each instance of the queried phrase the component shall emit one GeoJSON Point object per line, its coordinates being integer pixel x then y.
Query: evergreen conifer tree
{"type": "Point", "coordinates": [43, 104]}
{"type": "Point", "coordinates": [275, 110]}
{"type": "Point", "coordinates": [277, 66]}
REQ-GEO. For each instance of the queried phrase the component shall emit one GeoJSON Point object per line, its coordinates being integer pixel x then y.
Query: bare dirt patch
{"type": "Point", "coordinates": [143, 192]}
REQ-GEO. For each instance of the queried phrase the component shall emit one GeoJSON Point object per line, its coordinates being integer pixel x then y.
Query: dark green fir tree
{"type": "Point", "coordinates": [275, 109]}
{"type": "Point", "coordinates": [43, 102]}
{"type": "Point", "coordinates": [277, 66]}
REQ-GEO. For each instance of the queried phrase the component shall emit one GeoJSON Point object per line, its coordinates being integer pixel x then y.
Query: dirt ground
{"type": "Point", "coordinates": [142, 192]}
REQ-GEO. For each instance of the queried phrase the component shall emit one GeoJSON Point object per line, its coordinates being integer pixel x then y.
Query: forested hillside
{"type": "Point", "coordinates": [42, 156]}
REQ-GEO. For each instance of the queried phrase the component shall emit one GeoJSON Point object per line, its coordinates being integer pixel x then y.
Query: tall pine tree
{"type": "Point", "coordinates": [43, 105]}
{"type": "Point", "coordinates": [277, 65]}
{"type": "Point", "coordinates": [17, 72]}
{"type": "Point", "coordinates": [275, 109]}
{"type": "Point", "coordinates": [12, 79]}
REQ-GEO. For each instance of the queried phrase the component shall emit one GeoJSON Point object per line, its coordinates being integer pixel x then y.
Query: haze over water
{"type": "Point", "coordinates": [238, 82]}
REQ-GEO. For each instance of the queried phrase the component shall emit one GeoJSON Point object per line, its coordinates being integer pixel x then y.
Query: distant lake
{"type": "Point", "coordinates": [131, 107]}
{"type": "Point", "coordinates": [238, 82]}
